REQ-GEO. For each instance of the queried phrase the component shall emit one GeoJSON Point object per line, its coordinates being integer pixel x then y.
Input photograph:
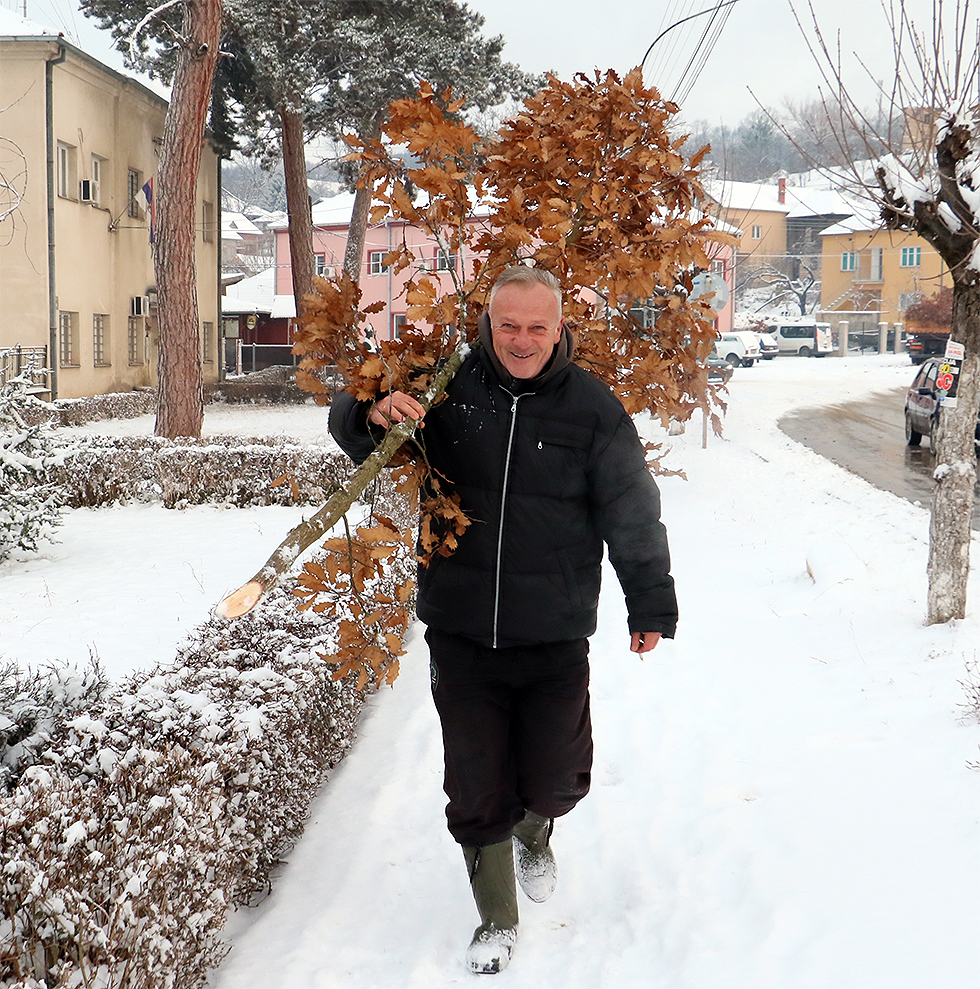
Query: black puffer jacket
{"type": "Point", "coordinates": [548, 470]}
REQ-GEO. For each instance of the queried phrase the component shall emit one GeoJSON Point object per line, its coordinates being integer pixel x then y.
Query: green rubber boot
{"type": "Point", "coordinates": [537, 871]}
{"type": "Point", "coordinates": [491, 870]}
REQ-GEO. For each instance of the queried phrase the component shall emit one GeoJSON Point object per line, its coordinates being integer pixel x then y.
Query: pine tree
{"type": "Point", "coordinates": [30, 507]}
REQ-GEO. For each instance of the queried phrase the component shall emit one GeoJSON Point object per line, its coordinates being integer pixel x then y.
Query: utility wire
{"type": "Point", "coordinates": [702, 49]}
{"type": "Point", "coordinates": [699, 58]}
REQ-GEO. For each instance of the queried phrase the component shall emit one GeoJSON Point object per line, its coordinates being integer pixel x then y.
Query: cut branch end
{"type": "Point", "coordinates": [240, 602]}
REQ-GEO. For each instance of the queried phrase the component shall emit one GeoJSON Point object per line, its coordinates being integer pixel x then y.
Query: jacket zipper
{"type": "Point", "coordinates": [503, 507]}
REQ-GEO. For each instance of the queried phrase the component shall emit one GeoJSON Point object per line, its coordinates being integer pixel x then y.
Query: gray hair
{"type": "Point", "coordinates": [521, 274]}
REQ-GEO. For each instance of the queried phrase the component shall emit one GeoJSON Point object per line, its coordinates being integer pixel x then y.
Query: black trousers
{"type": "Point", "coordinates": [516, 730]}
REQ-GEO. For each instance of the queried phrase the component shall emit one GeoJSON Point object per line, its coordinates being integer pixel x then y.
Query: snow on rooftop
{"type": "Point", "coordinates": [233, 224]}
{"type": "Point", "coordinates": [14, 25]}
{"type": "Point", "coordinates": [254, 294]}
{"type": "Point", "coordinates": [747, 195]}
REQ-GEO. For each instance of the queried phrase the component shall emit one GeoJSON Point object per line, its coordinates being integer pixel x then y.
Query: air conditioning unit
{"type": "Point", "coordinates": [139, 305]}
{"type": "Point", "coordinates": [87, 191]}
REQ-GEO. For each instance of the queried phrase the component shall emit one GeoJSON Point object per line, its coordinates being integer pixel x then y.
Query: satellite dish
{"type": "Point", "coordinates": [708, 283]}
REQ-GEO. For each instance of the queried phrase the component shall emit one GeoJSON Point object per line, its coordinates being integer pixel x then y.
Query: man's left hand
{"type": "Point", "coordinates": [644, 641]}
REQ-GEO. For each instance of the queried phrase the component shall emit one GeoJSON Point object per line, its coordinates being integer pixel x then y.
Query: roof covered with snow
{"type": "Point", "coordinates": [14, 25]}
{"type": "Point", "coordinates": [257, 294]}
{"type": "Point", "coordinates": [747, 195]}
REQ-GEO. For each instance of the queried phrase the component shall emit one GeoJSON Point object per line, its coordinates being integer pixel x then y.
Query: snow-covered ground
{"type": "Point", "coordinates": [782, 796]}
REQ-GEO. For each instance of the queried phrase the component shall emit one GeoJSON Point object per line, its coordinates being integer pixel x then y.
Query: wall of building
{"type": "Point", "coordinates": [770, 246]}
{"type": "Point", "coordinates": [857, 277]}
{"type": "Point", "coordinates": [379, 284]}
{"type": "Point", "coordinates": [107, 130]}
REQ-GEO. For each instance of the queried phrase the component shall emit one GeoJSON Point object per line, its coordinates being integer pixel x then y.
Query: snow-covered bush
{"type": "Point", "coordinates": [132, 824]}
{"type": "Point", "coordinates": [234, 470]}
{"type": "Point", "coordinates": [30, 706]}
{"type": "Point", "coordinates": [30, 505]}
{"type": "Point", "coordinates": [98, 408]}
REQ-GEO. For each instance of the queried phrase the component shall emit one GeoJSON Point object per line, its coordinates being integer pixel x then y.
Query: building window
{"type": "Point", "coordinates": [100, 340]}
{"type": "Point", "coordinates": [376, 264]}
{"type": "Point", "coordinates": [848, 261]}
{"type": "Point", "coordinates": [97, 172]}
{"type": "Point", "coordinates": [68, 339]}
{"type": "Point", "coordinates": [444, 261]}
{"type": "Point", "coordinates": [323, 269]}
{"type": "Point", "coordinates": [67, 172]}
{"type": "Point", "coordinates": [877, 273]}
{"type": "Point", "coordinates": [756, 231]}
{"type": "Point", "coordinates": [136, 340]}
{"type": "Point", "coordinates": [398, 321]}
{"type": "Point", "coordinates": [718, 268]}
{"type": "Point", "coordinates": [207, 222]}
{"type": "Point", "coordinates": [911, 257]}
{"type": "Point", "coordinates": [207, 342]}
{"type": "Point", "coordinates": [134, 186]}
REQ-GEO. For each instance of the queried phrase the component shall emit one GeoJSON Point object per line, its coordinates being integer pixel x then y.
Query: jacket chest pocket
{"type": "Point", "coordinates": [558, 462]}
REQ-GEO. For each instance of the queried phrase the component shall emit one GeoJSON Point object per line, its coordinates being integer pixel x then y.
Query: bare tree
{"type": "Point", "coordinates": [928, 181]}
{"type": "Point", "coordinates": [791, 277]}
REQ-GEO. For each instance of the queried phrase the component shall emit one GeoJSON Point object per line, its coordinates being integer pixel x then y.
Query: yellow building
{"type": "Point", "coordinates": [755, 209]}
{"type": "Point", "coordinates": [80, 146]}
{"type": "Point", "coordinates": [871, 275]}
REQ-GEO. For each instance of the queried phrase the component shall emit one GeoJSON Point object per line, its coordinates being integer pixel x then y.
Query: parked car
{"type": "Point", "coordinates": [720, 371]}
{"type": "Point", "coordinates": [767, 345]}
{"type": "Point", "coordinates": [922, 405]}
{"type": "Point", "coordinates": [805, 337]}
{"type": "Point", "coordinates": [740, 348]}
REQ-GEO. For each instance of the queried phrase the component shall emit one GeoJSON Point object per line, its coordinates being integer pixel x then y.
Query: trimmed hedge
{"type": "Point", "coordinates": [237, 470]}
{"type": "Point", "coordinates": [137, 813]}
{"type": "Point", "coordinates": [133, 815]}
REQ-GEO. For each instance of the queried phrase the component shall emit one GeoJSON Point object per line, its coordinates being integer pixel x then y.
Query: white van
{"type": "Point", "coordinates": [805, 337]}
{"type": "Point", "coordinates": [740, 348]}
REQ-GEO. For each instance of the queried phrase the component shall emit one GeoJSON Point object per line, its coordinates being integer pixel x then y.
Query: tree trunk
{"type": "Point", "coordinates": [180, 398]}
{"type": "Point", "coordinates": [357, 231]}
{"type": "Point", "coordinates": [297, 200]}
{"type": "Point", "coordinates": [956, 470]}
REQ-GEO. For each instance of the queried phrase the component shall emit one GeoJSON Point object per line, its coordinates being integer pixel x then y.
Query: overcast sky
{"type": "Point", "coordinates": [760, 50]}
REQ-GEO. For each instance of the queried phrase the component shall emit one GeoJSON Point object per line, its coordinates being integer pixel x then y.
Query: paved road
{"type": "Point", "coordinates": [868, 438]}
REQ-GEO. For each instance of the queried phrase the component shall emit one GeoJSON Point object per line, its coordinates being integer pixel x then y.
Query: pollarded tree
{"type": "Point", "coordinates": [929, 183]}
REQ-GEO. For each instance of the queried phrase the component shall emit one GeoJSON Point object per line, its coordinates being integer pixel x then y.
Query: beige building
{"type": "Point", "coordinates": [80, 149]}
{"type": "Point", "coordinates": [759, 211]}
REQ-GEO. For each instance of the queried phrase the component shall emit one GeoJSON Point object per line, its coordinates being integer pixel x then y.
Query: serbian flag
{"type": "Point", "coordinates": [145, 200]}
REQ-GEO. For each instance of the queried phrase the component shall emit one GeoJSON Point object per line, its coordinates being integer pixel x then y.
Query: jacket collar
{"type": "Point", "coordinates": [560, 359]}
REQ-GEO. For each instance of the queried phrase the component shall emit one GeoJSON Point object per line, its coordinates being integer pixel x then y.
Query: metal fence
{"type": "Point", "coordinates": [243, 358]}
{"type": "Point", "coordinates": [30, 361]}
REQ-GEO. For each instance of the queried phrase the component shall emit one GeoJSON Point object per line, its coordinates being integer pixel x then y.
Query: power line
{"type": "Point", "coordinates": [702, 49]}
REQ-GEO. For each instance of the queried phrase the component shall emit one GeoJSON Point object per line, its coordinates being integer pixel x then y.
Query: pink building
{"type": "Point", "coordinates": [331, 218]}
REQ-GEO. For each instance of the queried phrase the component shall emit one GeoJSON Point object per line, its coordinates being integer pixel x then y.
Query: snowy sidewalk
{"type": "Point", "coordinates": [781, 797]}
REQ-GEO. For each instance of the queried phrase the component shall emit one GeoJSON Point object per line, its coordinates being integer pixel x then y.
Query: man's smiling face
{"type": "Point", "coordinates": [526, 322]}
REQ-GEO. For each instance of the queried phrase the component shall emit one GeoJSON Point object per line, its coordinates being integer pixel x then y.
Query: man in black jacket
{"type": "Point", "coordinates": [549, 468]}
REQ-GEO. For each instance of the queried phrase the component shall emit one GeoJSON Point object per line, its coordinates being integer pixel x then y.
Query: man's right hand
{"type": "Point", "coordinates": [396, 407]}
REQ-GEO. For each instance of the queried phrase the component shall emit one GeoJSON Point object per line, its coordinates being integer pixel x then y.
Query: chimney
{"type": "Point", "coordinates": [782, 191]}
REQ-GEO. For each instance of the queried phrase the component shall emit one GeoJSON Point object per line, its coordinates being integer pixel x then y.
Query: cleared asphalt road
{"type": "Point", "coordinates": [868, 439]}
